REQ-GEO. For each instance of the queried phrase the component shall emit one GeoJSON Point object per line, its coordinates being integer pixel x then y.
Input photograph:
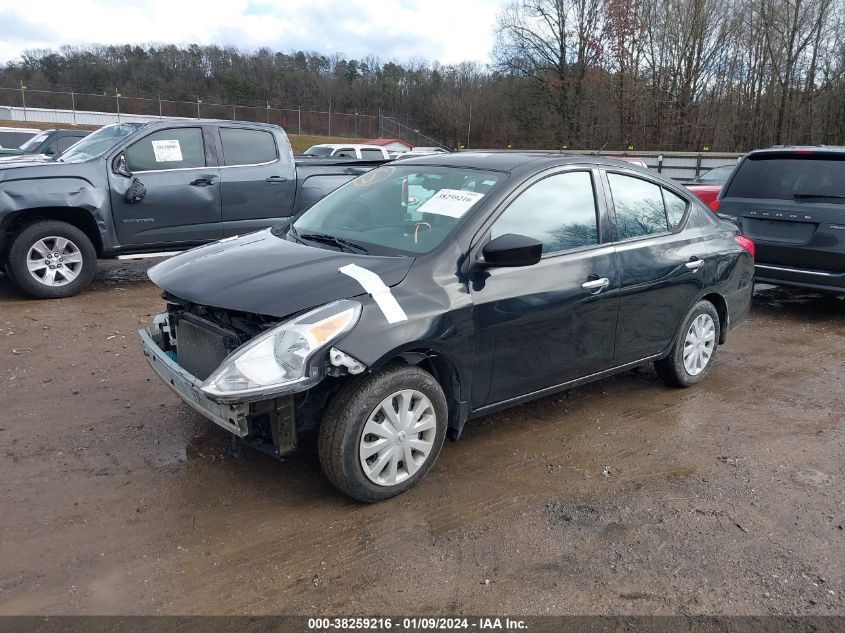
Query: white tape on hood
{"type": "Point", "coordinates": [377, 289]}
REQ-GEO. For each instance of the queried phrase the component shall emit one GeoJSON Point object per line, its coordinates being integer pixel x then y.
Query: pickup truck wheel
{"type": "Point", "coordinates": [51, 260]}
{"type": "Point", "coordinates": [695, 347]}
{"type": "Point", "coordinates": [382, 433]}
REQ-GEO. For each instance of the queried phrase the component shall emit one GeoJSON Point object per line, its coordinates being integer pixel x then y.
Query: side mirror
{"type": "Point", "coordinates": [119, 166]}
{"type": "Point", "coordinates": [49, 151]}
{"type": "Point", "coordinates": [135, 192]}
{"type": "Point", "coordinates": [512, 250]}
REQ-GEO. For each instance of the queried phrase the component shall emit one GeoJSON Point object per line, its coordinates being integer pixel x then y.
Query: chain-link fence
{"type": "Point", "coordinates": [69, 107]}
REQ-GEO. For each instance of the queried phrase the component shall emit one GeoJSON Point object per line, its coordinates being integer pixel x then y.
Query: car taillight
{"type": "Point", "coordinates": [714, 204]}
{"type": "Point", "coordinates": [746, 244]}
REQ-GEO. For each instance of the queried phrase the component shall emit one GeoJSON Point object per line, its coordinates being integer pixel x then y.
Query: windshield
{"type": "Point", "coordinates": [790, 177]}
{"type": "Point", "coordinates": [319, 151]}
{"type": "Point", "coordinates": [409, 209]}
{"type": "Point", "coordinates": [34, 142]}
{"type": "Point", "coordinates": [717, 174]}
{"type": "Point", "coordinates": [99, 142]}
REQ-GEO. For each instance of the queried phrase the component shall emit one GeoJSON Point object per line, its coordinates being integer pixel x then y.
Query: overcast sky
{"type": "Point", "coordinates": [448, 31]}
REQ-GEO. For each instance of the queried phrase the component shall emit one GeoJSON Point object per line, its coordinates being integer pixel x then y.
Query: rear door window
{"type": "Point", "coordinates": [790, 177]}
{"type": "Point", "coordinates": [247, 147]}
{"type": "Point", "coordinates": [638, 205]}
{"type": "Point", "coordinates": [181, 148]}
{"type": "Point", "coordinates": [372, 154]}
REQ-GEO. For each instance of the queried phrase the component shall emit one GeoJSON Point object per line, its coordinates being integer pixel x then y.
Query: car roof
{"type": "Point", "coordinates": [352, 145]}
{"type": "Point", "coordinates": [799, 150]}
{"type": "Point", "coordinates": [509, 161]}
{"type": "Point", "coordinates": [166, 123]}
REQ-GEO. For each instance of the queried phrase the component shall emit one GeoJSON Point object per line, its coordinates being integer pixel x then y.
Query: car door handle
{"type": "Point", "coordinates": [694, 264]}
{"type": "Point", "coordinates": [275, 179]}
{"type": "Point", "coordinates": [202, 182]}
{"type": "Point", "coordinates": [596, 284]}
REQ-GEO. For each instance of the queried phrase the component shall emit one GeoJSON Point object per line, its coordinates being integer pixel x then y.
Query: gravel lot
{"type": "Point", "coordinates": [624, 496]}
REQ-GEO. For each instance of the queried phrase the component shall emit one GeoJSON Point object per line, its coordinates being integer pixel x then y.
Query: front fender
{"type": "Point", "coordinates": [443, 337]}
{"type": "Point", "coordinates": [25, 194]}
{"type": "Point", "coordinates": [30, 193]}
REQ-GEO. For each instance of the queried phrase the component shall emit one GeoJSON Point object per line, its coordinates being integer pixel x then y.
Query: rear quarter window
{"type": "Point", "coordinates": [790, 177]}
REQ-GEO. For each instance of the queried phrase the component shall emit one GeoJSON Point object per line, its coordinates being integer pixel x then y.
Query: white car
{"type": "Point", "coordinates": [349, 150]}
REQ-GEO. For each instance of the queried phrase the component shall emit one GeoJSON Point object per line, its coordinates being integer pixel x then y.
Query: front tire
{"type": "Point", "coordinates": [51, 260]}
{"type": "Point", "coordinates": [695, 347]}
{"type": "Point", "coordinates": [382, 433]}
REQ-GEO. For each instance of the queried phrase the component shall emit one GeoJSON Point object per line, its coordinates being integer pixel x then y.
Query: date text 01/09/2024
{"type": "Point", "coordinates": [415, 623]}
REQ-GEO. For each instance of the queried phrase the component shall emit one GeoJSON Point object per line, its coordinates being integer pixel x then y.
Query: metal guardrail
{"type": "Point", "coordinates": [672, 164]}
{"type": "Point", "coordinates": [678, 164]}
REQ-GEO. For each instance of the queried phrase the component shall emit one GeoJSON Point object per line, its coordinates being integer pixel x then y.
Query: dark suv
{"type": "Point", "coordinates": [791, 202]}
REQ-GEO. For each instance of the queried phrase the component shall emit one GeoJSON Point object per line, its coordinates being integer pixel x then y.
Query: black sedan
{"type": "Point", "coordinates": [439, 289]}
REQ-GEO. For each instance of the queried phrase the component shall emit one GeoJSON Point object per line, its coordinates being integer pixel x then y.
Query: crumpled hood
{"type": "Point", "coordinates": [265, 274]}
{"type": "Point", "coordinates": [24, 167]}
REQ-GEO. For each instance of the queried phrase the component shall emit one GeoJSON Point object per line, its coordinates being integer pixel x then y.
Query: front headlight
{"type": "Point", "coordinates": [279, 360]}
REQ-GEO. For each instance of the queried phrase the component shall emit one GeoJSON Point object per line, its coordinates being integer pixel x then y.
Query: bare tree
{"type": "Point", "coordinates": [551, 43]}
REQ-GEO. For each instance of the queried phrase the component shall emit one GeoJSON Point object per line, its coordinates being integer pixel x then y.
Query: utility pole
{"type": "Point", "coordinates": [199, 101]}
{"type": "Point", "coordinates": [73, 105]}
{"type": "Point", "coordinates": [23, 99]}
{"type": "Point", "coordinates": [268, 111]}
{"type": "Point", "coordinates": [469, 125]}
{"type": "Point", "coordinates": [117, 101]}
{"type": "Point", "coordinates": [299, 118]}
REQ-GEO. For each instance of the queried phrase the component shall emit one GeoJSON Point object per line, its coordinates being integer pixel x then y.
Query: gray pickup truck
{"type": "Point", "coordinates": [133, 188]}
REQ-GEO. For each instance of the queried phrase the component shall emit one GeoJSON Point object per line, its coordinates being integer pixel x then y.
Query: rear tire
{"type": "Point", "coordinates": [694, 351]}
{"type": "Point", "coordinates": [51, 260]}
{"type": "Point", "coordinates": [397, 447]}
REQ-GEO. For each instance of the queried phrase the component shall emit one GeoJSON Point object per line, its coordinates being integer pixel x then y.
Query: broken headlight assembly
{"type": "Point", "coordinates": [279, 361]}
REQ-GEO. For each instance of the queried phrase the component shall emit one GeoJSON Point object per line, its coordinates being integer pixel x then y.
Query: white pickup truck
{"type": "Point", "coordinates": [348, 150]}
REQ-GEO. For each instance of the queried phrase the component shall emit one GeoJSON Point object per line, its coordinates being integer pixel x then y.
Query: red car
{"type": "Point", "coordinates": [708, 193]}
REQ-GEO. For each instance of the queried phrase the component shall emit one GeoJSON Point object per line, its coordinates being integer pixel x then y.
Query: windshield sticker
{"type": "Point", "coordinates": [167, 151]}
{"type": "Point", "coordinates": [372, 177]}
{"type": "Point", "coordinates": [451, 202]}
{"type": "Point", "coordinates": [377, 289]}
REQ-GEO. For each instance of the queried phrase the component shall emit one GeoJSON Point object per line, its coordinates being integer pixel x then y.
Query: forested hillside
{"type": "Point", "coordinates": [661, 74]}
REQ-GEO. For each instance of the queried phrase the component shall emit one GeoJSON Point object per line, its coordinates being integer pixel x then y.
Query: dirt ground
{"type": "Point", "coordinates": [624, 496]}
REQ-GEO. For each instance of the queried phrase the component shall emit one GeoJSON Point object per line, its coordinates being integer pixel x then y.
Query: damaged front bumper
{"type": "Point", "coordinates": [232, 417]}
